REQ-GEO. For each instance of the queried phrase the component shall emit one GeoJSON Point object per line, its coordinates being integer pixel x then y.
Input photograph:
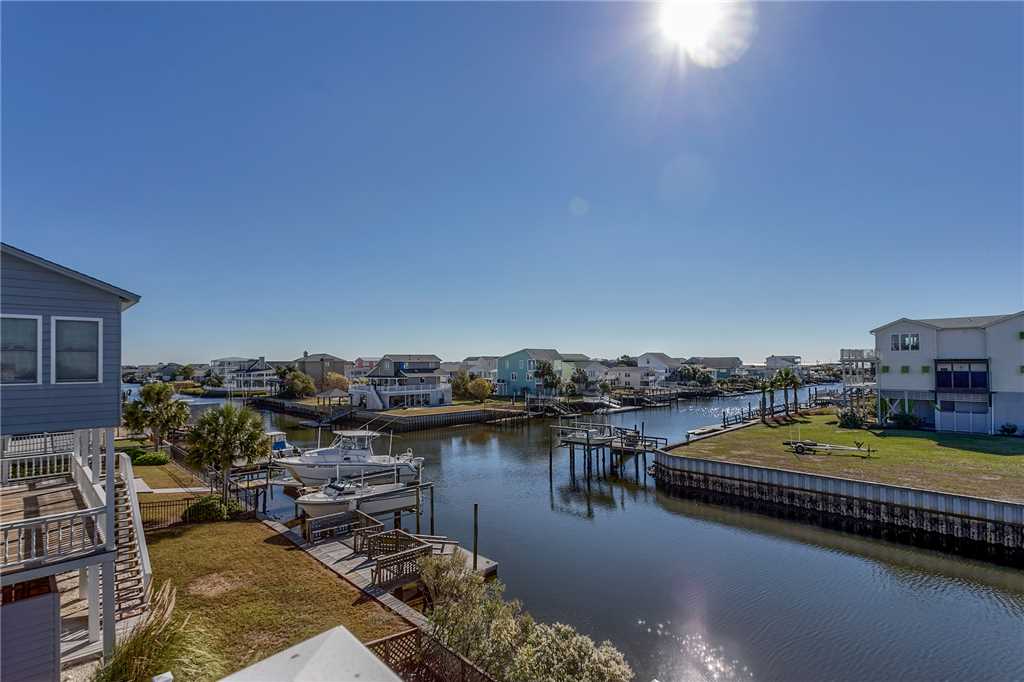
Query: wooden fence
{"type": "Point", "coordinates": [415, 656]}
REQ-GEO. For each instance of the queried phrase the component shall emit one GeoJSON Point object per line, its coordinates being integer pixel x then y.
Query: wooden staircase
{"type": "Point", "coordinates": [129, 577]}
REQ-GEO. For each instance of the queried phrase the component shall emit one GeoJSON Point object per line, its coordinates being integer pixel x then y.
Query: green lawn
{"type": "Point", "coordinates": [168, 475]}
{"type": "Point", "coordinates": [256, 593]}
{"type": "Point", "coordinates": [984, 466]}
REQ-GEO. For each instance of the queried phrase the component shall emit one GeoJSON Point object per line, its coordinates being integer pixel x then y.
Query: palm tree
{"type": "Point", "coordinates": [784, 379]}
{"type": "Point", "coordinates": [158, 410]}
{"type": "Point", "coordinates": [224, 434]}
{"type": "Point", "coordinates": [763, 385]}
{"type": "Point", "coordinates": [795, 383]}
{"type": "Point", "coordinates": [134, 417]}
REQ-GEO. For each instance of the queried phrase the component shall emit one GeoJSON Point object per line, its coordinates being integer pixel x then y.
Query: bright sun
{"type": "Point", "coordinates": [691, 25]}
{"type": "Point", "coordinates": [710, 33]}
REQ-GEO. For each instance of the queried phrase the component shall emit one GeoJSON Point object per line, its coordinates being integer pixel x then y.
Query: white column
{"type": "Point", "coordinates": [93, 597]}
{"type": "Point", "coordinates": [94, 453]}
{"type": "Point", "coordinates": [109, 626]}
{"type": "Point", "coordinates": [111, 488]}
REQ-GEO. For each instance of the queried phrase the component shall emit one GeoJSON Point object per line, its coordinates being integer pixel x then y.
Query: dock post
{"type": "Point", "coordinates": [476, 530]}
{"type": "Point", "coordinates": [398, 520]}
{"type": "Point", "coordinates": [419, 501]}
{"type": "Point", "coordinates": [432, 509]}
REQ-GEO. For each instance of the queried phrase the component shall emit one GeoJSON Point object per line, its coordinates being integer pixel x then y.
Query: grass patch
{"type": "Point", "coordinates": [123, 443]}
{"type": "Point", "coordinates": [165, 497]}
{"type": "Point", "coordinates": [983, 466]}
{"type": "Point", "coordinates": [256, 593]}
{"type": "Point", "coordinates": [168, 475]}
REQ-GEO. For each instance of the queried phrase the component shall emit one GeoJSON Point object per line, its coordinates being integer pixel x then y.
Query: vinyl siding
{"type": "Point", "coordinates": [31, 651]}
{"type": "Point", "coordinates": [27, 289]}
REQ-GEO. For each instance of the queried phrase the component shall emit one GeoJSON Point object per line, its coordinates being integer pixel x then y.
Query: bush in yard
{"type": "Point", "coordinates": [134, 452]}
{"type": "Point", "coordinates": [902, 420]}
{"type": "Point", "coordinates": [211, 508]}
{"type": "Point", "coordinates": [849, 419]}
{"type": "Point", "coordinates": [480, 389]}
{"type": "Point", "coordinates": [1008, 429]}
{"type": "Point", "coordinates": [150, 459]}
{"type": "Point", "coordinates": [470, 616]}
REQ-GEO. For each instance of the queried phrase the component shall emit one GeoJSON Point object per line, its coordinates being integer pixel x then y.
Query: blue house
{"type": "Point", "coordinates": [516, 371]}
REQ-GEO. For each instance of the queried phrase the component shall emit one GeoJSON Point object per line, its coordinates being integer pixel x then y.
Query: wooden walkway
{"type": "Point", "coordinates": [338, 556]}
{"type": "Point", "coordinates": [40, 498]}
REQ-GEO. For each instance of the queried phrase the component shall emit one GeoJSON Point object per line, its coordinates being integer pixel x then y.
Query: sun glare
{"type": "Point", "coordinates": [709, 33]}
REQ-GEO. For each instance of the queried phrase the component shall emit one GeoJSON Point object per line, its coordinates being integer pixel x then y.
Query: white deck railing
{"type": "Point", "coordinates": [37, 443]}
{"type": "Point", "coordinates": [30, 467]}
{"type": "Point", "coordinates": [53, 537]}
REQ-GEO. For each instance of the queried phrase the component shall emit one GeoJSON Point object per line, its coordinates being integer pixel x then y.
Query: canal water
{"type": "Point", "coordinates": [696, 591]}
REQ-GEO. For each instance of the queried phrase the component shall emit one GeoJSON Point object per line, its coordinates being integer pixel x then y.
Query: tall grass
{"type": "Point", "coordinates": [158, 643]}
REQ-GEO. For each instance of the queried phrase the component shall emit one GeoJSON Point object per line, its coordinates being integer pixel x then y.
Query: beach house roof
{"type": "Point", "coordinates": [973, 322]}
{"type": "Point", "coordinates": [128, 299]}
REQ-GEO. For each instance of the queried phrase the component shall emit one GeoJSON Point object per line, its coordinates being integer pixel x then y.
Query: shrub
{"type": "Point", "coordinates": [849, 419]}
{"type": "Point", "coordinates": [134, 452]}
{"type": "Point", "coordinates": [1008, 429]}
{"type": "Point", "coordinates": [150, 459]}
{"type": "Point", "coordinates": [902, 420]}
{"type": "Point", "coordinates": [470, 616]}
{"type": "Point", "coordinates": [210, 508]}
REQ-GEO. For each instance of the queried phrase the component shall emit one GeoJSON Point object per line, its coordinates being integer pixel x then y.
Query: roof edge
{"type": "Point", "coordinates": [128, 299]}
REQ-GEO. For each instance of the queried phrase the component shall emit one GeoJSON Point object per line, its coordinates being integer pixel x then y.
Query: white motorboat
{"type": "Point", "coordinates": [350, 455]}
{"type": "Point", "coordinates": [350, 495]}
{"type": "Point", "coordinates": [279, 445]}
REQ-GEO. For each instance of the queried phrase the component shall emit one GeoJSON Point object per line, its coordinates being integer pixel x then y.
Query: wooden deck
{"type": "Point", "coordinates": [338, 556]}
{"type": "Point", "coordinates": [39, 498]}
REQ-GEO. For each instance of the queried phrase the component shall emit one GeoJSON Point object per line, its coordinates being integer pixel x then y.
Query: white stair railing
{"type": "Point", "coordinates": [128, 475]}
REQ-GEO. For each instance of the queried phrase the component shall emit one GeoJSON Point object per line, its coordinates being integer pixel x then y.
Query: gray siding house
{"type": "Point", "coordinates": [61, 353]}
{"type": "Point", "coordinates": [70, 503]}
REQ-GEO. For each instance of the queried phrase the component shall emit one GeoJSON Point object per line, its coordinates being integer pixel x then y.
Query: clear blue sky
{"type": "Point", "coordinates": [474, 178]}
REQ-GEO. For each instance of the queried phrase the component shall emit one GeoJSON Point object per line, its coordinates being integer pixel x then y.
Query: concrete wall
{"type": "Point", "coordinates": [27, 289]}
{"type": "Point", "coordinates": [988, 521]}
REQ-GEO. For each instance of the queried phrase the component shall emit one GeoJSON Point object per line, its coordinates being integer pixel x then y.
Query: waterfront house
{"type": "Point", "coordinates": [319, 365]}
{"type": "Point", "coordinates": [660, 363]}
{"type": "Point", "coordinates": [628, 376]}
{"type": "Point", "coordinates": [70, 512]}
{"type": "Point", "coordinates": [361, 367]}
{"type": "Point", "coordinates": [403, 381]}
{"type": "Point", "coordinates": [857, 365]}
{"type": "Point", "coordinates": [252, 375]}
{"type": "Point", "coordinates": [953, 373]}
{"type": "Point", "coordinates": [483, 367]}
{"type": "Point", "coordinates": [516, 371]}
{"type": "Point", "coordinates": [451, 369]}
{"type": "Point", "coordinates": [719, 367]}
{"type": "Point", "coordinates": [776, 362]}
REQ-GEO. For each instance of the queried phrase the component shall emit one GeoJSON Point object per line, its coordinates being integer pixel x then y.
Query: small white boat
{"type": "Point", "coordinates": [350, 455]}
{"type": "Point", "coordinates": [279, 445]}
{"type": "Point", "coordinates": [587, 437]}
{"type": "Point", "coordinates": [344, 496]}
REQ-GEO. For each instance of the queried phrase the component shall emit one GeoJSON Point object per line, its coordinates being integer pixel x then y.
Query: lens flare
{"type": "Point", "coordinates": [711, 34]}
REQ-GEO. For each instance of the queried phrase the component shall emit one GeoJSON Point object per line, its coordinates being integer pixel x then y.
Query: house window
{"type": "Point", "coordinates": [76, 348]}
{"type": "Point", "coordinates": [905, 342]}
{"type": "Point", "coordinates": [514, 376]}
{"type": "Point", "coordinates": [20, 349]}
{"type": "Point", "coordinates": [961, 375]}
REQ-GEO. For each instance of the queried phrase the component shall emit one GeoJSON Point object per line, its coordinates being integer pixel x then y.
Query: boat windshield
{"type": "Point", "coordinates": [345, 442]}
{"type": "Point", "coordinates": [342, 488]}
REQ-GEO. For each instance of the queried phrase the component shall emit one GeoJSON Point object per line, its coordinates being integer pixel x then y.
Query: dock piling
{"type": "Point", "coordinates": [476, 529]}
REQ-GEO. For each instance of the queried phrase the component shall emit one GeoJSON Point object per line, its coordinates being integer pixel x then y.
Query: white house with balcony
{"type": "Point", "coordinates": [70, 516]}
{"type": "Point", "coordinates": [660, 363]}
{"type": "Point", "coordinates": [403, 381]}
{"type": "Point", "coordinates": [954, 373]}
{"type": "Point", "coordinates": [626, 376]}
